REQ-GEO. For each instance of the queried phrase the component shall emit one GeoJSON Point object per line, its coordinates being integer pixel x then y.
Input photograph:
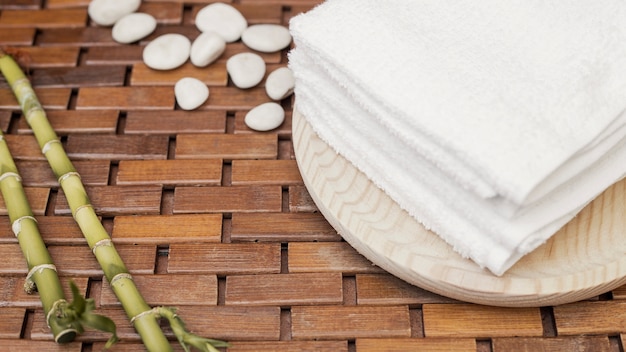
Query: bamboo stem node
{"type": "Point", "coordinates": [16, 226]}
{"type": "Point", "coordinates": [81, 207]}
{"type": "Point", "coordinates": [105, 242]}
{"type": "Point", "coordinates": [119, 277]}
{"type": "Point", "coordinates": [10, 174]}
{"type": "Point", "coordinates": [46, 147]}
{"type": "Point", "coordinates": [67, 175]}
{"type": "Point", "coordinates": [153, 311]}
{"type": "Point", "coordinates": [54, 309]}
{"type": "Point", "coordinates": [29, 284]}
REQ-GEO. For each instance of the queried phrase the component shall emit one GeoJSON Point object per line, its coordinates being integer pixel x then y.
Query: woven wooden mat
{"type": "Point", "coordinates": [212, 217]}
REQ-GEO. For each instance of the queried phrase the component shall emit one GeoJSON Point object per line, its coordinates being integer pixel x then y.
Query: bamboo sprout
{"type": "Point", "coordinates": [42, 272]}
{"type": "Point", "coordinates": [142, 316]}
{"type": "Point", "coordinates": [65, 320]}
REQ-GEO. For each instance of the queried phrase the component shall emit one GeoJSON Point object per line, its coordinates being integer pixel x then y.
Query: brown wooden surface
{"type": "Point", "coordinates": [213, 217]}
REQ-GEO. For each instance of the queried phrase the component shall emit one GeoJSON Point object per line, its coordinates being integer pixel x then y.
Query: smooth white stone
{"type": "Point", "coordinates": [280, 83]}
{"type": "Point", "coordinates": [222, 19]}
{"type": "Point", "coordinates": [246, 70]}
{"type": "Point", "coordinates": [107, 12]}
{"type": "Point", "coordinates": [207, 47]}
{"type": "Point", "coordinates": [265, 117]}
{"type": "Point", "coordinates": [133, 27]}
{"type": "Point", "coordinates": [167, 52]}
{"type": "Point", "coordinates": [267, 38]}
{"type": "Point", "coordinates": [190, 93]}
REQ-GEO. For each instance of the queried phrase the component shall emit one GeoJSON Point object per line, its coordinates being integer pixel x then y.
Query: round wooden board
{"type": "Point", "coordinates": [584, 259]}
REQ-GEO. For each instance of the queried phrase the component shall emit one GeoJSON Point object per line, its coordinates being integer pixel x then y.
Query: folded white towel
{"type": "Point", "coordinates": [492, 123]}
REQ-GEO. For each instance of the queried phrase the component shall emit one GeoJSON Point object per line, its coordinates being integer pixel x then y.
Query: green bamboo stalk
{"type": "Point", "coordinates": [142, 316]}
{"type": "Point", "coordinates": [42, 272]}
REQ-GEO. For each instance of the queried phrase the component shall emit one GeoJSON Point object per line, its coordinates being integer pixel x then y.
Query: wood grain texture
{"type": "Point", "coordinates": [328, 257]}
{"type": "Point", "coordinates": [300, 200]}
{"type": "Point", "coordinates": [284, 290]}
{"type": "Point", "coordinates": [51, 57]}
{"type": "Point", "coordinates": [263, 172]}
{"type": "Point", "coordinates": [44, 18]}
{"type": "Point", "coordinates": [413, 344]}
{"type": "Point", "coordinates": [226, 146]}
{"type": "Point", "coordinates": [11, 322]}
{"type": "Point", "coordinates": [337, 322]}
{"type": "Point", "coordinates": [582, 260]}
{"type": "Point", "coordinates": [55, 230]}
{"type": "Point", "coordinates": [118, 200]}
{"type": "Point", "coordinates": [281, 227]}
{"type": "Point", "coordinates": [224, 259]}
{"type": "Point", "coordinates": [125, 98]}
{"type": "Point", "coordinates": [286, 346]}
{"type": "Point", "coordinates": [590, 317]}
{"type": "Point", "coordinates": [12, 292]}
{"type": "Point", "coordinates": [175, 122]}
{"type": "Point", "coordinates": [196, 228]}
{"type": "Point", "coordinates": [242, 199]}
{"type": "Point", "coordinates": [17, 36]}
{"type": "Point", "coordinates": [199, 290]}
{"type": "Point", "coordinates": [212, 75]}
{"type": "Point", "coordinates": [170, 172]}
{"type": "Point", "coordinates": [117, 147]}
{"type": "Point", "coordinates": [37, 198]}
{"type": "Point", "coordinates": [83, 76]}
{"type": "Point", "coordinates": [380, 289]}
{"type": "Point", "coordinates": [38, 173]}
{"type": "Point", "coordinates": [74, 121]}
{"type": "Point", "coordinates": [50, 98]}
{"type": "Point", "coordinates": [533, 344]}
{"type": "Point", "coordinates": [474, 321]}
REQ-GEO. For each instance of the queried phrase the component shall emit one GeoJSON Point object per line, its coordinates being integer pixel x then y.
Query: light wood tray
{"type": "Point", "coordinates": [584, 259]}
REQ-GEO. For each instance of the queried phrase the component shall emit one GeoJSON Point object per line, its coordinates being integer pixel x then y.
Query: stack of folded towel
{"type": "Point", "coordinates": [493, 123]}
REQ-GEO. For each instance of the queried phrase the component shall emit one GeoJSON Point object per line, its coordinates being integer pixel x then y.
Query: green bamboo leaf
{"type": "Point", "coordinates": [102, 323]}
{"type": "Point", "coordinates": [79, 303]}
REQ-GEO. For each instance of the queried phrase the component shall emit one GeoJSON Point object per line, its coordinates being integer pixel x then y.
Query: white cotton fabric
{"type": "Point", "coordinates": [492, 123]}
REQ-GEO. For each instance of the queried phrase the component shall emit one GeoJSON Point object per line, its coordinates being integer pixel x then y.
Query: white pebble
{"type": "Point", "coordinates": [133, 27]}
{"type": "Point", "coordinates": [265, 117]}
{"type": "Point", "coordinates": [190, 93]}
{"type": "Point", "coordinates": [107, 12]}
{"type": "Point", "coordinates": [222, 19]}
{"type": "Point", "coordinates": [207, 47]}
{"type": "Point", "coordinates": [267, 38]}
{"type": "Point", "coordinates": [280, 83]}
{"type": "Point", "coordinates": [167, 52]}
{"type": "Point", "coordinates": [246, 70]}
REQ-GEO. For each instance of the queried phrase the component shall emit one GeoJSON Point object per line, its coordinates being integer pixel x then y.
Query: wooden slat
{"type": "Point", "coordinates": [167, 229]}
{"type": "Point", "coordinates": [382, 289]}
{"type": "Point", "coordinates": [12, 292]}
{"type": "Point", "coordinates": [139, 259]}
{"type": "Point", "coordinates": [126, 98]}
{"type": "Point", "coordinates": [55, 230]}
{"type": "Point", "coordinates": [117, 147]}
{"type": "Point", "coordinates": [17, 36]}
{"type": "Point", "coordinates": [175, 122]}
{"type": "Point", "coordinates": [287, 346]}
{"type": "Point", "coordinates": [212, 75]}
{"type": "Point", "coordinates": [50, 98]}
{"type": "Point", "coordinates": [45, 18]}
{"type": "Point", "coordinates": [224, 259]}
{"type": "Point", "coordinates": [37, 198]}
{"type": "Point", "coordinates": [227, 199]}
{"type": "Point", "coordinates": [282, 227]}
{"type": "Point", "coordinates": [73, 121]}
{"type": "Point", "coordinates": [170, 172]}
{"type": "Point", "coordinates": [39, 174]}
{"type": "Point", "coordinates": [283, 131]}
{"type": "Point", "coordinates": [532, 344]}
{"type": "Point", "coordinates": [226, 146]}
{"type": "Point", "coordinates": [82, 76]}
{"type": "Point", "coordinates": [23, 345]}
{"type": "Point", "coordinates": [51, 57]}
{"type": "Point", "coordinates": [284, 289]}
{"type": "Point", "coordinates": [5, 120]}
{"type": "Point", "coordinates": [118, 200]}
{"type": "Point", "coordinates": [11, 322]}
{"type": "Point", "coordinates": [23, 147]}
{"type": "Point", "coordinates": [349, 322]}
{"type": "Point", "coordinates": [300, 200]}
{"type": "Point", "coordinates": [231, 98]}
{"type": "Point", "coordinates": [263, 172]}
{"type": "Point", "coordinates": [602, 317]}
{"type": "Point", "coordinates": [328, 257]}
{"type": "Point", "coordinates": [20, 4]}
{"type": "Point", "coordinates": [83, 36]}
{"type": "Point", "coordinates": [113, 55]}
{"type": "Point", "coordinates": [61, 4]}
{"type": "Point", "coordinates": [198, 290]}
{"type": "Point", "coordinates": [620, 292]}
{"type": "Point", "coordinates": [416, 344]}
{"type": "Point", "coordinates": [468, 320]}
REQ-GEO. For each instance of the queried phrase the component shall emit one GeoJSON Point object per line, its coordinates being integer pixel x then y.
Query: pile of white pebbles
{"type": "Point", "coordinates": [219, 24]}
